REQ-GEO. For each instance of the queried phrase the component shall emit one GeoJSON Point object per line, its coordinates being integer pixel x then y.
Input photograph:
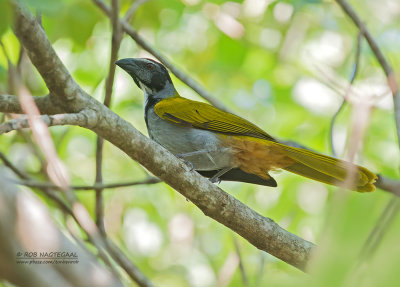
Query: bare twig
{"type": "Point", "coordinates": [377, 233]}
{"type": "Point", "coordinates": [93, 236]}
{"type": "Point", "coordinates": [343, 104]}
{"type": "Point", "coordinates": [380, 57]}
{"type": "Point", "coordinates": [20, 231]}
{"type": "Point", "coordinates": [98, 181]}
{"type": "Point", "coordinates": [393, 207]}
{"type": "Point", "coordinates": [243, 273]}
{"type": "Point", "coordinates": [79, 119]}
{"type": "Point", "coordinates": [116, 39]}
{"type": "Point", "coordinates": [8, 164]}
{"type": "Point", "coordinates": [37, 184]}
{"type": "Point", "coordinates": [135, 5]}
{"type": "Point", "coordinates": [261, 270]}
{"type": "Point", "coordinates": [177, 72]}
{"type": "Point", "coordinates": [115, 44]}
{"type": "Point", "coordinates": [388, 184]}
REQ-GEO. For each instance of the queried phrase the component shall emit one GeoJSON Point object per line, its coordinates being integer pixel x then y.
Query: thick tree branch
{"type": "Point", "coordinates": [262, 232]}
{"type": "Point", "coordinates": [47, 105]}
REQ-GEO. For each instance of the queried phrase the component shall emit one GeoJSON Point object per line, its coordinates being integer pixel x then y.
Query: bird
{"type": "Point", "coordinates": [223, 146]}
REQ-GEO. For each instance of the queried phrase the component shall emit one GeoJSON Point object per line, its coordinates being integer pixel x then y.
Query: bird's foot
{"type": "Point", "coordinates": [186, 162]}
{"type": "Point", "coordinates": [215, 180]}
{"type": "Point", "coordinates": [217, 177]}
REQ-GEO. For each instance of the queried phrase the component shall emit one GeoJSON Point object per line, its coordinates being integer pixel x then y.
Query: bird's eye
{"type": "Point", "coordinates": [149, 66]}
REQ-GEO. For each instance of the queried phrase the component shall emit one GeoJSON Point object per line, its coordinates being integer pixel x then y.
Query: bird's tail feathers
{"type": "Point", "coordinates": [329, 170]}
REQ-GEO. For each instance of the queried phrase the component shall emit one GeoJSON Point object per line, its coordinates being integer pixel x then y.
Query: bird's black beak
{"type": "Point", "coordinates": [129, 66]}
{"type": "Point", "coordinates": [125, 63]}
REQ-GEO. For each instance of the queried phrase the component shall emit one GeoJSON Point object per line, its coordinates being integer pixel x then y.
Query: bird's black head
{"type": "Point", "coordinates": [149, 75]}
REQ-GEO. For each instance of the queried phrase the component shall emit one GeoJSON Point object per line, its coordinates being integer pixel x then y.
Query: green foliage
{"type": "Point", "coordinates": [277, 71]}
{"type": "Point", "coordinates": [6, 16]}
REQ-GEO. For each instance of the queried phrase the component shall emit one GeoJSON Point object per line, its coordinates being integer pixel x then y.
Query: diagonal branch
{"type": "Point", "coordinates": [176, 71]}
{"type": "Point", "coordinates": [260, 231]}
{"type": "Point", "coordinates": [135, 5]}
{"type": "Point", "coordinates": [393, 206]}
{"type": "Point", "coordinates": [381, 59]}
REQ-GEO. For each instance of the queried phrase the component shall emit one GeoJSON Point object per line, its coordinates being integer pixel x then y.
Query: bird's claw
{"type": "Point", "coordinates": [215, 180]}
{"type": "Point", "coordinates": [186, 162]}
{"type": "Point", "coordinates": [189, 164]}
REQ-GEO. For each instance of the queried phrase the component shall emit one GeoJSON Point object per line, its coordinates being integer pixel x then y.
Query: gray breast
{"type": "Point", "coordinates": [182, 140]}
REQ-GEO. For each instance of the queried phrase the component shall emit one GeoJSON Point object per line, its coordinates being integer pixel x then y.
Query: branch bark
{"type": "Point", "coordinates": [78, 119]}
{"type": "Point", "coordinates": [46, 104]}
{"type": "Point", "coordinates": [260, 231]}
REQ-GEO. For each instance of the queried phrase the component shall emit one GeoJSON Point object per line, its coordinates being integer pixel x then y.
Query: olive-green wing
{"type": "Point", "coordinates": [204, 116]}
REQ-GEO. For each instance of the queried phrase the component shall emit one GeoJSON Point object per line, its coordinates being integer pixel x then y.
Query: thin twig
{"type": "Point", "coordinates": [37, 184]}
{"type": "Point", "coordinates": [177, 72]}
{"type": "Point", "coordinates": [99, 207]}
{"type": "Point", "coordinates": [381, 59]}
{"type": "Point", "coordinates": [243, 273]}
{"type": "Point", "coordinates": [388, 184]}
{"type": "Point", "coordinates": [101, 243]}
{"type": "Point", "coordinates": [79, 119]}
{"type": "Point", "coordinates": [261, 270]}
{"type": "Point", "coordinates": [116, 39]}
{"type": "Point", "coordinates": [393, 207]}
{"type": "Point", "coordinates": [382, 225]}
{"type": "Point", "coordinates": [135, 5]}
{"type": "Point", "coordinates": [343, 104]}
{"type": "Point", "coordinates": [8, 164]}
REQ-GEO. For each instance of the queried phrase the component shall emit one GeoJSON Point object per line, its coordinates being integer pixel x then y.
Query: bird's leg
{"type": "Point", "coordinates": [197, 152]}
{"type": "Point", "coordinates": [216, 176]}
{"type": "Point", "coordinates": [182, 156]}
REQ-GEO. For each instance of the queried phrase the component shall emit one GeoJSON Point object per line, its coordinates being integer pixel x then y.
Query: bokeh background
{"type": "Point", "coordinates": [285, 66]}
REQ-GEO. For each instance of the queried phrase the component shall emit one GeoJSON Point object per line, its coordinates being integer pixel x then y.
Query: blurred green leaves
{"type": "Point", "coordinates": [75, 21]}
{"type": "Point", "coordinates": [6, 16]}
{"type": "Point", "coordinates": [258, 74]}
